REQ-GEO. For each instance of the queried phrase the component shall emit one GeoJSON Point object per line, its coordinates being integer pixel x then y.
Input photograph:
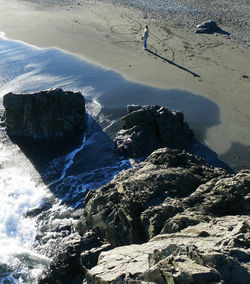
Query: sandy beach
{"type": "Point", "coordinates": [215, 67]}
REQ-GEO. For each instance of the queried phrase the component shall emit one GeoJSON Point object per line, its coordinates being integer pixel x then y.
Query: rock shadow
{"type": "Point", "coordinates": [41, 153]}
{"type": "Point", "coordinates": [71, 167]}
{"type": "Point", "coordinates": [217, 31]}
{"type": "Point", "coordinates": [210, 156]}
{"type": "Point", "coordinates": [107, 95]}
{"type": "Point", "coordinates": [222, 32]}
{"type": "Point", "coordinates": [238, 156]}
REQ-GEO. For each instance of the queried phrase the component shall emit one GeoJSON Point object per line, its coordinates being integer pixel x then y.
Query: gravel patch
{"type": "Point", "coordinates": [230, 15]}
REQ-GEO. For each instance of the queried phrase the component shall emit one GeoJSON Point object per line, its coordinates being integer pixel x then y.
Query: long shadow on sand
{"type": "Point", "coordinates": [238, 155]}
{"type": "Point", "coordinates": [172, 63]}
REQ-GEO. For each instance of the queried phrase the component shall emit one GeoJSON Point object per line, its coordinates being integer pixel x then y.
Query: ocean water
{"type": "Point", "coordinates": [29, 240]}
{"type": "Point", "coordinates": [23, 188]}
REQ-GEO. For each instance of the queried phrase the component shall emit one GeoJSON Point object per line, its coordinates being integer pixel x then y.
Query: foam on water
{"type": "Point", "coordinates": [18, 194]}
{"type": "Point", "coordinates": [26, 68]}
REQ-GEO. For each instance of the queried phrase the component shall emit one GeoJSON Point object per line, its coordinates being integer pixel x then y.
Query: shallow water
{"type": "Point", "coordinates": [27, 243]}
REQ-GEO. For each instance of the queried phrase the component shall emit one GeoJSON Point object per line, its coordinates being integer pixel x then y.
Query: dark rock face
{"type": "Point", "coordinates": [148, 128]}
{"type": "Point", "coordinates": [135, 205]}
{"type": "Point", "coordinates": [45, 115]}
{"type": "Point", "coordinates": [207, 27]}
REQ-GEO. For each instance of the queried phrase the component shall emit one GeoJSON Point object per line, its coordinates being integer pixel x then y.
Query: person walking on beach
{"type": "Point", "coordinates": [145, 36]}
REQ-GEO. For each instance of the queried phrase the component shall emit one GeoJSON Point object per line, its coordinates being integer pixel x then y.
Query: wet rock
{"type": "Point", "coordinates": [45, 115]}
{"type": "Point", "coordinates": [150, 127]}
{"type": "Point", "coordinates": [183, 257]}
{"type": "Point", "coordinates": [69, 265]}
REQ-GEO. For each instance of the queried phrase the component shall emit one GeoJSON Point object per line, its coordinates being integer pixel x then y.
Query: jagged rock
{"type": "Point", "coordinates": [214, 198]}
{"type": "Point", "coordinates": [223, 196]}
{"type": "Point", "coordinates": [148, 128]}
{"type": "Point", "coordinates": [184, 257]}
{"type": "Point", "coordinates": [186, 208]}
{"type": "Point", "coordinates": [188, 211]}
{"type": "Point", "coordinates": [69, 265]}
{"type": "Point", "coordinates": [89, 257]}
{"type": "Point", "coordinates": [135, 205]}
{"type": "Point", "coordinates": [47, 114]}
{"type": "Point", "coordinates": [207, 27]}
{"type": "Point", "coordinates": [180, 221]}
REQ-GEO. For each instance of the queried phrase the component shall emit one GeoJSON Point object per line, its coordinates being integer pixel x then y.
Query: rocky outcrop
{"type": "Point", "coordinates": [147, 128]}
{"type": "Point", "coordinates": [135, 205]}
{"type": "Point", "coordinates": [45, 115]}
{"type": "Point", "coordinates": [171, 218]}
{"type": "Point", "coordinates": [195, 233]}
{"type": "Point", "coordinates": [199, 254]}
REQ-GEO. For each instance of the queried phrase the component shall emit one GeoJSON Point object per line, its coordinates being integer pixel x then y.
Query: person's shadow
{"type": "Point", "coordinates": [172, 63]}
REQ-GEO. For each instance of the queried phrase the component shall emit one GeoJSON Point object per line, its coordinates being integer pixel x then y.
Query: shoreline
{"type": "Point", "coordinates": [109, 37]}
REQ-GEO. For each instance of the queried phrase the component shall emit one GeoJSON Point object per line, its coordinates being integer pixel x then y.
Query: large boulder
{"type": "Point", "coordinates": [135, 205]}
{"type": "Point", "coordinates": [147, 128]}
{"type": "Point", "coordinates": [49, 114]}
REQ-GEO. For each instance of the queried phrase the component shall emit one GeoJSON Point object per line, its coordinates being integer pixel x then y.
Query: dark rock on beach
{"type": "Point", "coordinates": [147, 128]}
{"type": "Point", "coordinates": [210, 27]}
{"type": "Point", "coordinates": [207, 27]}
{"type": "Point", "coordinates": [45, 115]}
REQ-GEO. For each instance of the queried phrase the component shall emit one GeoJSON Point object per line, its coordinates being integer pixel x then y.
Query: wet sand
{"type": "Point", "coordinates": [210, 66]}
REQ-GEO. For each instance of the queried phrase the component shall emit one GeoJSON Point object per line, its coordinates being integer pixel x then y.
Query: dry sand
{"type": "Point", "coordinates": [109, 36]}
